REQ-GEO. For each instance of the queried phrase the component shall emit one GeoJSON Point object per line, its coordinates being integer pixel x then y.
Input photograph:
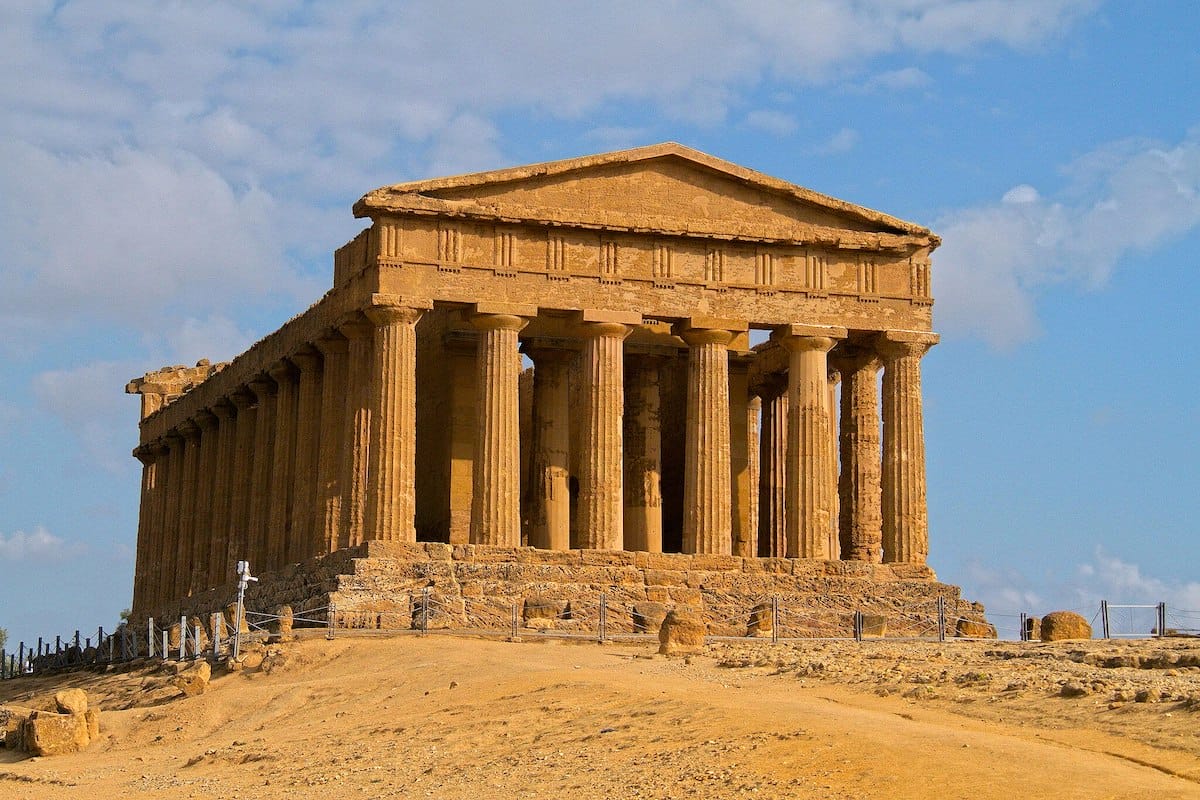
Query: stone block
{"type": "Point", "coordinates": [679, 562]}
{"type": "Point", "coordinates": [1064, 625]}
{"type": "Point", "coordinates": [658, 594]}
{"type": "Point", "coordinates": [712, 561]}
{"type": "Point", "coordinates": [662, 577]}
{"type": "Point", "coordinates": [12, 725]}
{"type": "Point", "coordinates": [608, 558]}
{"type": "Point", "coordinates": [974, 629]}
{"type": "Point", "coordinates": [92, 717]}
{"type": "Point", "coordinates": [761, 621]}
{"type": "Point", "coordinates": [71, 701]}
{"type": "Point", "coordinates": [683, 631]}
{"type": "Point", "coordinates": [49, 734]}
{"type": "Point", "coordinates": [684, 595]}
{"type": "Point", "coordinates": [874, 626]}
{"type": "Point", "coordinates": [1033, 629]}
{"type": "Point", "coordinates": [542, 608]}
{"type": "Point", "coordinates": [774, 566]}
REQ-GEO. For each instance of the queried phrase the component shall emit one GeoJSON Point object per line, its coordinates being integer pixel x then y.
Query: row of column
{"type": "Point", "coordinates": [315, 454]}
{"type": "Point", "coordinates": [873, 508]}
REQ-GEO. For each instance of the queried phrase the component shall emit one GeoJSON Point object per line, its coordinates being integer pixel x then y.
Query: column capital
{"type": "Point", "coordinates": [388, 309]}
{"type": "Point", "coordinates": [307, 358]}
{"type": "Point", "coordinates": [490, 321]}
{"type": "Point", "coordinates": [850, 357]}
{"type": "Point", "coordinates": [263, 387]}
{"type": "Point", "coordinates": [146, 453]}
{"type": "Point", "coordinates": [224, 409]}
{"type": "Point", "coordinates": [242, 398]}
{"type": "Point", "coordinates": [282, 370]}
{"type": "Point", "coordinates": [898, 344]}
{"type": "Point", "coordinates": [173, 437]}
{"type": "Point", "coordinates": [805, 343]}
{"type": "Point", "coordinates": [332, 342]}
{"type": "Point", "coordinates": [206, 419]}
{"type": "Point", "coordinates": [354, 325]}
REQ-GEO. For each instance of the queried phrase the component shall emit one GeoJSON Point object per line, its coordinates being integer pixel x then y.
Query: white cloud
{"type": "Point", "coordinates": [897, 80]}
{"type": "Point", "coordinates": [776, 123]}
{"type": "Point", "coordinates": [1125, 197]}
{"type": "Point", "coordinates": [38, 545]}
{"type": "Point", "coordinates": [91, 403]}
{"type": "Point", "coordinates": [216, 338]}
{"type": "Point", "coordinates": [841, 142]}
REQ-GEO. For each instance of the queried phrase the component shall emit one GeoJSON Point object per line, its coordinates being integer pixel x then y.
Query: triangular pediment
{"type": "Point", "coordinates": [667, 187]}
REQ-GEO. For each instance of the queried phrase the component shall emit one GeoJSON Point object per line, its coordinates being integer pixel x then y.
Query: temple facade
{"type": "Point", "coordinates": [650, 350]}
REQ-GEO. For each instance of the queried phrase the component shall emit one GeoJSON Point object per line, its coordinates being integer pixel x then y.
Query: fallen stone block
{"type": "Point", "coordinates": [1060, 626]}
{"type": "Point", "coordinates": [49, 734]}
{"type": "Point", "coordinates": [194, 680]}
{"type": "Point", "coordinates": [682, 631]}
{"type": "Point", "coordinates": [71, 701]}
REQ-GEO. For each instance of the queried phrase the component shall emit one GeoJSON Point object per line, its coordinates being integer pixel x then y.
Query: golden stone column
{"type": "Point", "coordinates": [282, 465]}
{"type": "Point", "coordinates": [905, 517]}
{"type": "Point", "coordinates": [260, 472]}
{"type": "Point", "coordinates": [643, 454]}
{"type": "Point", "coordinates": [753, 461]}
{"type": "Point", "coordinates": [356, 436]}
{"type": "Point", "coordinates": [240, 482]}
{"type": "Point", "coordinates": [810, 481]}
{"type": "Point", "coordinates": [393, 450]}
{"type": "Point", "coordinates": [496, 495]}
{"type": "Point", "coordinates": [835, 545]}
{"type": "Point", "coordinates": [155, 593]}
{"type": "Point", "coordinates": [222, 493]}
{"type": "Point", "coordinates": [187, 508]}
{"type": "Point", "coordinates": [301, 542]}
{"type": "Point", "coordinates": [147, 455]}
{"type": "Point", "coordinates": [171, 517]}
{"type": "Point", "coordinates": [861, 524]}
{"type": "Point", "coordinates": [328, 512]}
{"type": "Point", "coordinates": [707, 484]}
{"type": "Point", "coordinates": [743, 535]}
{"type": "Point", "coordinates": [772, 478]}
{"type": "Point", "coordinates": [202, 528]}
{"type": "Point", "coordinates": [602, 370]}
{"type": "Point", "coordinates": [549, 491]}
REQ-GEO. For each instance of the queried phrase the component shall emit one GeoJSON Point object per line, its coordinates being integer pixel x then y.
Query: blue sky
{"type": "Point", "coordinates": [174, 178]}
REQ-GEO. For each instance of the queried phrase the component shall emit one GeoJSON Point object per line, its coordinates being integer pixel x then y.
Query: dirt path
{"type": "Point", "coordinates": [459, 718]}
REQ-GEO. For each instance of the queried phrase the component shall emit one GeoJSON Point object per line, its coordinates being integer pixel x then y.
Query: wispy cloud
{"type": "Point", "coordinates": [776, 123]}
{"type": "Point", "coordinates": [841, 142]}
{"type": "Point", "coordinates": [1128, 196]}
{"type": "Point", "coordinates": [37, 545]}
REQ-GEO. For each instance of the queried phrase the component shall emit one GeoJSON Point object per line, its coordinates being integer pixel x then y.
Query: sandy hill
{"type": "Point", "coordinates": [451, 717]}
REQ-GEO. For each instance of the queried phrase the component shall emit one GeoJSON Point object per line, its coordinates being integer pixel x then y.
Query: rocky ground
{"type": "Point", "coordinates": [451, 717]}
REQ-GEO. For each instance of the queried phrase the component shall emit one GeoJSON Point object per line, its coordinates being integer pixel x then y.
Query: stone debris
{"type": "Point", "coordinates": [1060, 626]}
{"type": "Point", "coordinates": [71, 701]}
{"type": "Point", "coordinates": [194, 680]}
{"type": "Point", "coordinates": [68, 729]}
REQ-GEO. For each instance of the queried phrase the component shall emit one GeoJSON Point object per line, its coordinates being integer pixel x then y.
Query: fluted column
{"type": "Point", "coordinates": [356, 436]}
{"type": "Point", "coordinates": [158, 539]}
{"type": "Point", "coordinates": [142, 559]}
{"type": "Point", "coordinates": [187, 508]}
{"type": "Point", "coordinates": [171, 516]}
{"type": "Point", "coordinates": [549, 492]}
{"type": "Point", "coordinates": [707, 486]}
{"type": "Point", "coordinates": [753, 464]}
{"type": "Point", "coordinates": [222, 494]}
{"type": "Point", "coordinates": [328, 520]}
{"type": "Point", "coordinates": [202, 528]}
{"type": "Point", "coordinates": [393, 452]}
{"type": "Point", "coordinates": [240, 482]}
{"type": "Point", "coordinates": [810, 482]}
{"type": "Point", "coordinates": [861, 524]}
{"type": "Point", "coordinates": [643, 454]}
{"type": "Point", "coordinates": [601, 498]}
{"type": "Point", "coordinates": [743, 536]}
{"type": "Point", "coordinates": [905, 517]}
{"type": "Point", "coordinates": [496, 495]}
{"type": "Point", "coordinates": [282, 465]}
{"type": "Point", "coordinates": [261, 467]}
{"type": "Point", "coordinates": [772, 519]}
{"type": "Point", "coordinates": [834, 546]}
{"type": "Point", "coordinates": [301, 542]}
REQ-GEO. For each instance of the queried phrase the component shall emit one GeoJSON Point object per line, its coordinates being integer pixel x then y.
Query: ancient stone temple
{"type": "Point", "coordinates": [591, 361]}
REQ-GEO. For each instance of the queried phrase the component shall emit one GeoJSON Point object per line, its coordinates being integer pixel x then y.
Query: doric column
{"type": "Point", "coordinates": [460, 351]}
{"type": "Point", "coordinates": [282, 465]}
{"type": "Point", "coordinates": [905, 517]}
{"type": "Point", "coordinates": [187, 508]}
{"type": "Point", "coordinates": [222, 494]}
{"type": "Point", "coordinates": [240, 483]}
{"type": "Point", "coordinates": [643, 454]}
{"type": "Point", "coordinates": [810, 483]}
{"type": "Point", "coordinates": [753, 460]}
{"type": "Point", "coordinates": [261, 466]}
{"type": "Point", "coordinates": [328, 520]}
{"type": "Point", "coordinates": [171, 517]}
{"type": "Point", "coordinates": [861, 515]}
{"type": "Point", "coordinates": [602, 370]}
{"type": "Point", "coordinates": [202, 529]}
{"type": "Point", "coordinates": [156, 570]}
{"type": "Point", "coordinates": [834, 546]}
{"type": "Point", "coordinates": [772, 479]}
{"type": "Point", "coordinates": [549, 491]}
{"type": "Point", "coordinates": [393, 452]}
{"type": "Point", "coordinates": [496, 495]}
{"type": "Point", "coordinates": [744, 536]}
{"type": "Point", "coordinates": [147, 455]}
{"type": "Point", "coordinates": [301, 543]}
{"type": "Point", "coordinates": [356, 436]}
{"type": "Point", "coordinates": [707, 489]}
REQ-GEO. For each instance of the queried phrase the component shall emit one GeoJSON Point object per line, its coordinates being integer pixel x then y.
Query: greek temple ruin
{"type": "Point", "coordinates": [554, 365]}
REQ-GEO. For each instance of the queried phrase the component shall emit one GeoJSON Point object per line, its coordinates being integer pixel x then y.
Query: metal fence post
{"type": "Point", "coordinates": [166, 644]}
{"type": "Point", "coordinates": [150, 637]}
{"type": "Point", "coordinates": [941, 619]}
{"type": "Point", "coordinates": [775, 619]}
{"type": "Point", "coordinates": [514, 620]}
{"type": "Point", "coordinates": [183, 637]}
{"type": "Point", "coordinates": [1022, 634]}
{"type": "Point", "coordinates": [425, 610]}
{"type": "Point", "coordinates": [332, 612]}
{"type": "Point", "coordinates": [214, 622]}
{"type": "Point", "coordinates": [1162, 620]}
{"type": "Point", "coordinates": [1104, 617]}
{"type": "Point", "coordinates": [858, 626]}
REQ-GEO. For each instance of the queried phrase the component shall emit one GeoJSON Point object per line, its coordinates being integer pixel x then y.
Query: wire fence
{"type": "Point", "coordinates": [600, 617]}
